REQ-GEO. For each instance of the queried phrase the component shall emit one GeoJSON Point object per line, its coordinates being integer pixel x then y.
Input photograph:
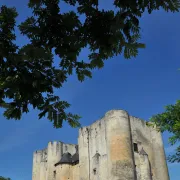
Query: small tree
{"type": "Point", "coordinates": [3, 178]}
{"type": "Point", "coordinates": [169, 121]}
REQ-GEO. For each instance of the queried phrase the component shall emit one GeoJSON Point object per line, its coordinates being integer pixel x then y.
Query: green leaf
{"type": "Point", "coordinates": [169, 120]}
{"type": "Point", "coordinates": [27, 74]}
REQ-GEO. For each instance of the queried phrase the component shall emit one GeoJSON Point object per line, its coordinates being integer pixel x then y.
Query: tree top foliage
{"type": "Point", "coordinates": [28, 75]}
{"type": "Point", "coordinates": [169, 121]}
{"type": "Point", "coordinates": [3, 178]}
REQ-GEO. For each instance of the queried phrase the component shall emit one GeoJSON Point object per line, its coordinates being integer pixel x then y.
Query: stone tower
{"type": "Point", "coordinates": [116, 147]}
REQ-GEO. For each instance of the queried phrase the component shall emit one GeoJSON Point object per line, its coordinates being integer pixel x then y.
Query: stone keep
{"type": "Point", "coordinates": [116, 147]}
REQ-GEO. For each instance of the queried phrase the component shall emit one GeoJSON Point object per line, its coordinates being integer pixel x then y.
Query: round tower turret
{"type": "Point", "coordinates": [119, 145]}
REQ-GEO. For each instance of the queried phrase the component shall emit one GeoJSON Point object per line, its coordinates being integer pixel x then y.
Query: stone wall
{"type": "Point", "coordinates": [39, 164]}
{"type": "Point", "coordinates": [116, 147]}
{"type": "Point", "coordinates": [105, 148]}
{"type": "Point", "coordinates": [44, 160]}
{"type": "Point", "coordinates": [67, 172]}
{"type": "Point", "coordinates": [160, 165]}
{"type": "Point", "coordinates": [151, 141]}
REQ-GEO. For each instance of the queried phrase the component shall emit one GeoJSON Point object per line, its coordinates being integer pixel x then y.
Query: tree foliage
{"type": "Point", "coordinates": [169, 121]}
{"type": "Point", "coordinates": [3, 178]}
{"type": "Point", "coordinates": [28, 75]}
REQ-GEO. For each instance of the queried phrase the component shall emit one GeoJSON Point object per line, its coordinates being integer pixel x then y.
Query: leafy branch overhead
{"type": "Point", "coordinates": [28, 75]}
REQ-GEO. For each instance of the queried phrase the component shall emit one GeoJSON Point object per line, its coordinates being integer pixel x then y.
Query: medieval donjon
{"type": "Point", "coordinates": [117, 147]}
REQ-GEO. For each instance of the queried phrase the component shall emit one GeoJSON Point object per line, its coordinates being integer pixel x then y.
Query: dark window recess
{"type": "Point", "coordinates": [94, 171]}
{"type": "Point", "coordinates": [54, 174]}
{"type": "Point", "coordinates": [135, 147]}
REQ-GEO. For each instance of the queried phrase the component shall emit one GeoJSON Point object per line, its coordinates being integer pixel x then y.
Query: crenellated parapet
{"type": "Point", "coordinates": [40, 155]}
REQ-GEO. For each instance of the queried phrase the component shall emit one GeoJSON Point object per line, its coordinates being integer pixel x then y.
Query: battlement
{"type": "Point", "coordinates": [58, 142]}
{"type": "Point", "coordinates": [40, 151]}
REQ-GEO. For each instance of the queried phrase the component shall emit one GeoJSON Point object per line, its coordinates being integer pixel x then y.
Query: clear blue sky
{"type": "Point", "coordinates": [142, 86]}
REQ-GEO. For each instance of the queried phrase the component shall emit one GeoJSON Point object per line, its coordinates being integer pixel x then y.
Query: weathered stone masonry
{"type": "Point", "coordinates": [116, 147]}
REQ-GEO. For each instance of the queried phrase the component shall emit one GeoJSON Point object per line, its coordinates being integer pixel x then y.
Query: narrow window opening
{"type": "Point", "coordinates": [94, 171]}
{"type": "Point", "coordinates": [135, 147]}
{"type": "Point", "coordinates": [54, 174]}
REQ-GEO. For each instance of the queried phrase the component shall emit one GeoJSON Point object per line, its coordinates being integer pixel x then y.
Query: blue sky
{"type": "Point", "coordinates": [142, 86]}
